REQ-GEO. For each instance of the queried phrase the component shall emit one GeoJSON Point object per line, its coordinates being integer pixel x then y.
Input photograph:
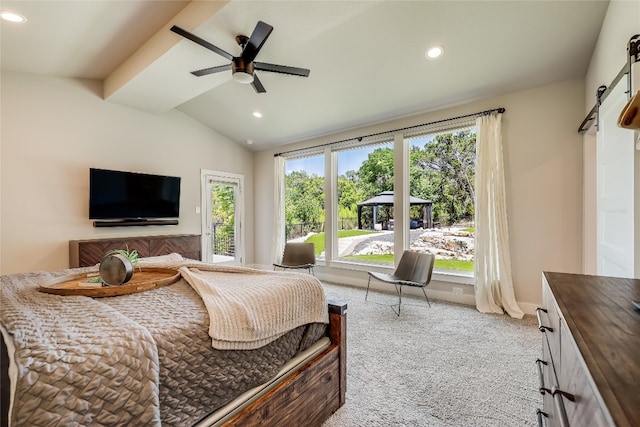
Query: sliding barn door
{"type": "Point", "coordinates": [615, 189]}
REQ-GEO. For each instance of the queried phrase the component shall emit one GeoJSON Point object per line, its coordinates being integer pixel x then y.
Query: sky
{"type": "Point", "coordinates": [347, 159]}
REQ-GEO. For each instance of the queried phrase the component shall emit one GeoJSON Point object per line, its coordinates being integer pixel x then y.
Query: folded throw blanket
{"type": "Point", "coordinates": [249, 308]}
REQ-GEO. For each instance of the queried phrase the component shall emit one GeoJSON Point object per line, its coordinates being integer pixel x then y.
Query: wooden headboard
{"type": "Point", "coordinates": [85, 253]}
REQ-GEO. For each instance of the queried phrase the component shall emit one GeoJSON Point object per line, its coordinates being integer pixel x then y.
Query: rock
{"type": "Point", "coordinates": [446, 243]}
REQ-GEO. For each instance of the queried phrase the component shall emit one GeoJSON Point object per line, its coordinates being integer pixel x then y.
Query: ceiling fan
{"type": "Point", "coordinates": [243, 66]}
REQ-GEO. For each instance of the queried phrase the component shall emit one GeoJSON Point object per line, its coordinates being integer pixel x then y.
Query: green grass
{"type": "Point", "coordinates": [388, 259]}
{"type": "Point", "coordinates": [318, 239]}
{"type": "Point", "coordinates": [454, 264]}
{"type": "Point", "coordinates": [443, 264]}
{"type": "Point", "coordinates": [469, 230]}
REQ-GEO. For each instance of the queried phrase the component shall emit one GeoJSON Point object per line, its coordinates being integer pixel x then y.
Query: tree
{"type": "Point", "coordinates": [223, 218]}
{"type": "Point", "coordinates": [304, 201]}
{"type": "Point", "coordinates": [445, 170]}
{"type": "Point", "coordinates": [376, 173]}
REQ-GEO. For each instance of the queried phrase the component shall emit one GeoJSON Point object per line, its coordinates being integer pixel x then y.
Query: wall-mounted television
{"type": "Point", "coordinates": [119, 195]}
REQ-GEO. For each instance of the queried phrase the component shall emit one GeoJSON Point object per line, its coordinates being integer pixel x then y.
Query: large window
{"type": "Point", "coordinates": [304, 201]}
{"type": "Point", "coordinates": [436, 180]}
{"type": "Point", "coordinates": [442, 171]}
{"type": "Point", "coordinates": [365, 204]}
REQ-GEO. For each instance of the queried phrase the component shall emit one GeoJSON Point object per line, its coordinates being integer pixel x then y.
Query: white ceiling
{"type": "Point", "coordinates": [366, 57]}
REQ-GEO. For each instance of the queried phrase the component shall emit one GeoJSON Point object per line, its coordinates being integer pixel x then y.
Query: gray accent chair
{"type": "Point", "coordinates": [298, 255]}
{"type": "Point", "coordinates": [414, 269]}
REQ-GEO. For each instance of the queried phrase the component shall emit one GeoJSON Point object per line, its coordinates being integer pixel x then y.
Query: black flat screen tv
{"type": "Point", "coordinates": [118, 195]}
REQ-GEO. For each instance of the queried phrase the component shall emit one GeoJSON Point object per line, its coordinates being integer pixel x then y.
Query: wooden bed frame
{"type": "Point", "coordinates": [309, 396]}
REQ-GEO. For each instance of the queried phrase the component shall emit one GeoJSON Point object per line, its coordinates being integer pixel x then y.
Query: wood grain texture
{"type": "Point", "coordinates": [585, 409]}
{"type": "Point", "coordinates": [599, 345]}
{"type": "Point", "coordinates": [85, 253]}
{"type": "Point", "coordinates": [143, 279]}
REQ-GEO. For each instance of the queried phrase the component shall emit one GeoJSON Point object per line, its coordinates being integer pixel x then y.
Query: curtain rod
{"type": "Point", "coordinates": [359, 138]}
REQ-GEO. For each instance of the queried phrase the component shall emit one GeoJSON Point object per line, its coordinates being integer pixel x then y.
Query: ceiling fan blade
{"type": "Point", "coordinates": [186, 34]}
{"type": "Point", "coordinates": [258, 37]}
{"type": "Point", "coordinates": [211, 70]}
{"type": "Point", "coordinates": [282, 69]}
{"type": "Point", "coordinates": [257, 85]}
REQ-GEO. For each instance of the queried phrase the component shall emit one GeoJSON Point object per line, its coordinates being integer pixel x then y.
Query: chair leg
{"type": "Point", "coordinates": [399, 292]}
{"type": "Point", "coordinates": [367, 294]}
{"type": "Point", "coordinates": [425, 295]}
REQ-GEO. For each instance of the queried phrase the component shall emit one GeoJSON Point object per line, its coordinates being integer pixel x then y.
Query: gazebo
{"type": "Point", "coordinates": [386, 199]}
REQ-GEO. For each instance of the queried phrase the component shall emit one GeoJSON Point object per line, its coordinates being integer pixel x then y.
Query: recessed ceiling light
{"type": "Point", "coordinates": [12, 16]}
{"type": "Point", "coordinates": [434, 52]}
{"type": "Point", "coordinates": [249, 141]}
{"type": "Point", "coordinates": [257, 114]}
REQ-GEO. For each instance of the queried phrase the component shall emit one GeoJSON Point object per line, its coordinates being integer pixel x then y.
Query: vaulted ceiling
{"type": "Point", "coordinates": [367, 58]}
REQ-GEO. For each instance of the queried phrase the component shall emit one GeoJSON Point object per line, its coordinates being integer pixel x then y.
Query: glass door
{"type": "Point", "coordinates": [222, 218]}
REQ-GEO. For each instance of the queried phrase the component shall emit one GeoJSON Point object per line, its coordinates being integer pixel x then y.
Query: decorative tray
{"type": "Point", "coordinates": [143, 279]}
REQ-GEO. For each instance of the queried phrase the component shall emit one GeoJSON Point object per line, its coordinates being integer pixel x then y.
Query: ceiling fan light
{"type": "Point", "coordinates": [242, 77]}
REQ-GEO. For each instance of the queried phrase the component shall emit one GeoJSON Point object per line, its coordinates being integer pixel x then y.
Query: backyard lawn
{"type": "Point", "coordinates": [444, 264]}
{"type": "Point", "coordinates": [318, 239]}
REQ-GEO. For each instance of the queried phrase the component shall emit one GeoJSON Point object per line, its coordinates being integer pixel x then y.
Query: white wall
{"type": "Point", "coordinates": [620, 24]}
{"type": "Point", "coordinates": [543, 165]}
{"type": "Point", "coordinates": [55, 129]}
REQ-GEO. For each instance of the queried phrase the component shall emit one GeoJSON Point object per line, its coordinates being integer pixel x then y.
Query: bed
{"type": "Point", "coordinates": [191, 353]}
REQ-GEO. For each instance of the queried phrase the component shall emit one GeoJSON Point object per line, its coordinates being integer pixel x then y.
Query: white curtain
{"type": "Point", "coordinates": [494, 287]}
{"type": "Point", "coordinates": [278, 210]}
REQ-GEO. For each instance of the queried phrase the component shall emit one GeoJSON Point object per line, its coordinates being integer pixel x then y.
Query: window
{"type": "Point", "coordinates": [442, 171]}
{"type": "Point", "coordinates": [365, 204]}
{"type": "Point", "coordinates": [304, 201]}
{"type": "Point", "coordinates": [436, 181]}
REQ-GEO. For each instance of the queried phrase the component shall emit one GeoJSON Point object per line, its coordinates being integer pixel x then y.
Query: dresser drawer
{"type": "Point", "coordinates": [575, 389]}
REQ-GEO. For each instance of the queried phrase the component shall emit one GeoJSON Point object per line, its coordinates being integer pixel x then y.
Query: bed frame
{"type": "Point", "coordinates": [310, 395]}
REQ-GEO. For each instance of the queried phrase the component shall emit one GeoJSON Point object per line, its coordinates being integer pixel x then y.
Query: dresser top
{"type": "Point", "coordinates": [605, 326]}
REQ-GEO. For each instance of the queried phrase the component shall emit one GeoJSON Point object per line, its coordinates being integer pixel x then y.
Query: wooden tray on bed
{"type": "Point", "coordinates": [143, 279]}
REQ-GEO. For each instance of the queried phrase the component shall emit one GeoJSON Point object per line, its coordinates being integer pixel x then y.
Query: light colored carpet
{"type": "Point", "coordinates": [447, 365]}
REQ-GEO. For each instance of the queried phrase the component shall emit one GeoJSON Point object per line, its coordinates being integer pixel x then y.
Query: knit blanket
{"type": "Point", "coordinates": [249, 308]}
{"type": "Point", "coordinates": [80, 362]}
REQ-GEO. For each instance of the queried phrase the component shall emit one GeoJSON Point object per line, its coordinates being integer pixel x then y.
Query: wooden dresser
{"type": "Point", "coordinates": [590, 365]}
{"type": "Point", "coordinates": [85, 253]}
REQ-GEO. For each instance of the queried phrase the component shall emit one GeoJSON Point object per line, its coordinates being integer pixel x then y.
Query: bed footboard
{"type": "Point", "coordinates": [311, 395]}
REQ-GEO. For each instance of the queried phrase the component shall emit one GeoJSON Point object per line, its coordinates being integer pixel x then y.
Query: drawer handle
{"type": "Point", "coordinates": [541, 414]}
{"type": "Point", "coordinates": [540, 325]}
{"type": "Point", "coordinates": [542, 388]}
{"type": "Point", "coordinates": [559, 402]}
